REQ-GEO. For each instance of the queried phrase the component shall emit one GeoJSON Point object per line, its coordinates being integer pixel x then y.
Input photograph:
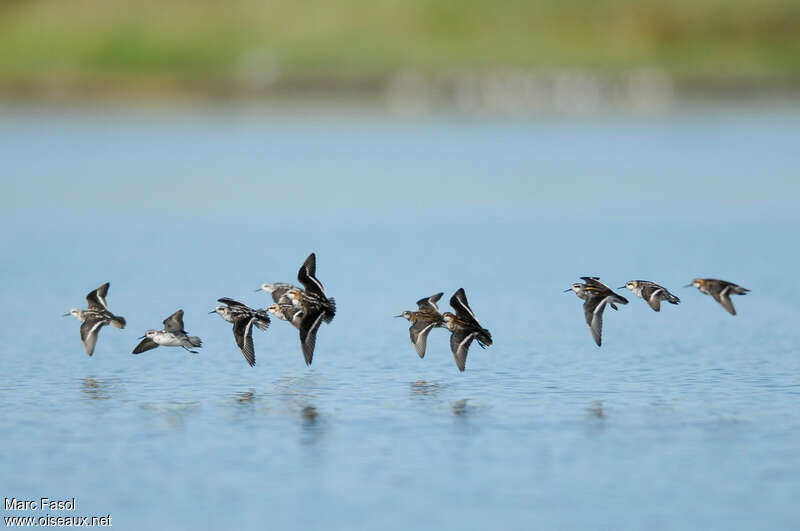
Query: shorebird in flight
{"type": "Point", "coordinates": [651, 292]}
{"type": "Point", "coordinates": [173, 335]}
{"type": "Point", "coordinates": [243, 318]}
{"type": "Point", "coordinates": [721, 290]}
{"type": "Point", "coordinates": [465, 328]}
{"type": "Point", "coordinates": [423, 321]}
{"type": "Point", "coordinates": [596, 296]}
{"type": "Point", "coordinates": [95, 317]}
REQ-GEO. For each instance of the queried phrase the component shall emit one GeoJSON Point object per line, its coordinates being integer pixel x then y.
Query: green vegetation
{"type": "Point", "coordinates": [179, 44]}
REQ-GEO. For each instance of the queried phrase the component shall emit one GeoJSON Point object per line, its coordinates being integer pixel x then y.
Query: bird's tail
{"type": "Point", "coordinates": [118, 321]}
{"type": "Point", "coordinates": [262, 320]}
{"type": "Point", "coordinates": [738, 290]}
{"type": "Point", "coordinates": [672, 298]}
{"type": "Point", "coordinates": [195, 341]}
{"type": "Point", "coordinates": [330, 310]}
{"type": "Point", "coordinates": [485, 338]}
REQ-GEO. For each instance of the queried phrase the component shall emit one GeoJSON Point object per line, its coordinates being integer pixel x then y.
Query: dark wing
{"type": "Point", "coordinates": [89, 330]}
{"type": "Point", "coordinates": [308, 333]}
{"type": "Point", "coordinates": [459, 303]}
{"type": "Point", "coordinates": [652, 294]}
{"type": "Point", "coordinates": [243, 334]}
{"type": "Point", "coordinates": [231, 302]}
{"type": "Point", "coordinates": [723, 297]}
{"type": "Point", "coordinates": [280, 291]}
{"type": "Point", "coordinates": [460, 340]}
{"type": "Point", "coordinates": [174, 323]}
{"type": "Point", "coordinates": [307, 276]}
{"type": "Point", "coordinates": [419, 335]}
{"type": "Point", "coordinates": [594, 281]}
{"type": "Point", "coordinates": [593, 311]}
{"type": "Point", "coordinates": [428, 304]}
{"type": "Point", "coordinates": [146, 344]}
{"type": "Point", "coordinates": [97, 298]}
{"type": "Point", "coordinates": [262, 319]}
{"type": "Point", "coordinates": [735, 289]}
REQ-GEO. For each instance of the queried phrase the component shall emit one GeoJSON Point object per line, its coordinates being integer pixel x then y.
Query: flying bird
{"type": "Point", "coordinates": [305, 308]}
{"type": "Point", "coordinates": [95, 317]}
{"type": "Point", "coordinates": [721, 290]}
{"type": "Point", "coordinates": [243, 318]}
{"type": "Point", "coordinates": [465, 328]}
{"type": "Point", "coordinates": [596, 296]}
{"type": "Point", "coordinates": [423, 321]}
{"type": "Point", "coordinates": [651, 292]}
{"type": "Point", "coordinates": [173, 335]}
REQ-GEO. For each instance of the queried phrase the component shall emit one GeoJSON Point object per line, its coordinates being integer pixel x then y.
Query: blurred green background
{"type": "Point", "coordinates": [215, 48]}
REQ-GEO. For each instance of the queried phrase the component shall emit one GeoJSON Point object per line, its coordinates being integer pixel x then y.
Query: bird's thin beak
{"type": "Point", "coordinates": [141, 337]}
{"type": "Point", "coordinates": [66, 315]}
{"type": "Point", "coordinates": [260, 289]}
{"type": "Point", "coordinates": [621, 287]}
{"type": "Point", "coordinates": [688, 286]}
{"type": "Point", "coordinates": [568, 289]}
{"type": "Point", "coordinates": [213, 311]}
{"type": "Point", "coordinates": [401, 315]}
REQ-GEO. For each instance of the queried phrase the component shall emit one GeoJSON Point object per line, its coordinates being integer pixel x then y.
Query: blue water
{"type": "Point", "coordinates": [683, 419]}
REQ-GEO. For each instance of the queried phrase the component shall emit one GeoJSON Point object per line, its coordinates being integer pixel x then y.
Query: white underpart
{"type": "Point", "coordinates": [168, 339]}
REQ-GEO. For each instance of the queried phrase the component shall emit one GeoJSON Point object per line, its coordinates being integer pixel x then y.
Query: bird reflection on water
{"type": "Point", "coordinates": [425, 389]}
{"type": "Point", "coordinates": [97, 389]}
{"type": "Point", "coordinates": [246, 397]}
{"type": "Point", "coordinates": [460, 408]}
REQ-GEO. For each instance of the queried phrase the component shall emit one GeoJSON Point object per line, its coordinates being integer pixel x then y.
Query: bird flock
{"type": "Point", "coordinates": [597, 296]}
{"type": "Point", "coordinates": [308, 307]}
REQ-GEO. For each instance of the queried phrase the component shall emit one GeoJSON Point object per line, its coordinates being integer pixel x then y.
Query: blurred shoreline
{"type": "Point", "coordinates": [506, 91]}
{"type": "Point", "coordinates": [411, 56]}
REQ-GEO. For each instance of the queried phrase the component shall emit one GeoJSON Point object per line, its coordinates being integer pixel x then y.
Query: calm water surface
{"type": "Point", "coordinates": [687, 418]}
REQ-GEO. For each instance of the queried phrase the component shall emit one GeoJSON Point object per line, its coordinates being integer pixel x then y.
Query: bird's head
{"type": "Point", "coordinates": [405, 315]}
{"type": "Point", "coordinates": [449, 320]}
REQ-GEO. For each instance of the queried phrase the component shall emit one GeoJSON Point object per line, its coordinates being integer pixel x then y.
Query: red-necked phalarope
{"type": "Point", "coordinates": [243, 318]}
{"type": "Point", "coordinates": [278, 291]}
{"type": "Point", "coordinates": [651, 292]}
{"type": "Point", "coordinates": [95, 317]}
{"type": "Point", "coordinates": [464, 327]}
{"type": "Point", "coordinates": [423, 321]}
{"type": "Point", "coordinates": [721, 290]}
{"type": "Point", "coordinates": [597, 295]}
{"type": "Point", "coordinates": [315, 305]}
{"type": "Point", "coordinates": [173, 335]}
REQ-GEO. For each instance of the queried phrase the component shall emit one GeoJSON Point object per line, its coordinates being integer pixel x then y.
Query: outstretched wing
{"type": "Point", "coordinates": [146, 344]}
{"type": "Point", "coordinates": [231, 302]}
{"type": "Point", "coordinates": [97, 298]}
{"type": "Point", "coordinates": [243, 334]}
{"type": "Point", "coordinates": [593, 311]}
{"type": "Point", "coordinates": [459, 303]}
{"type": "Point", "coordinates": [724, 299]}
{"type": "Point", "coordinates": [428, 304]}
{"type": "Point", "coordinates": [174, 323]}
{"type": "Point", "coordinates": [652, 294]}
{"type": "Point", "coordinates": [419, 335]}
{"type": "Point", "coordinates": [594, 282]}
{"type": "Point", "coordinates": [460, 341]}
{"type": "Point", "coordinates": [308, 333]}
{"type": "Point", "coordinates": [307, 276]}
{"type": "Point", "coordinates": [89, 330]}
